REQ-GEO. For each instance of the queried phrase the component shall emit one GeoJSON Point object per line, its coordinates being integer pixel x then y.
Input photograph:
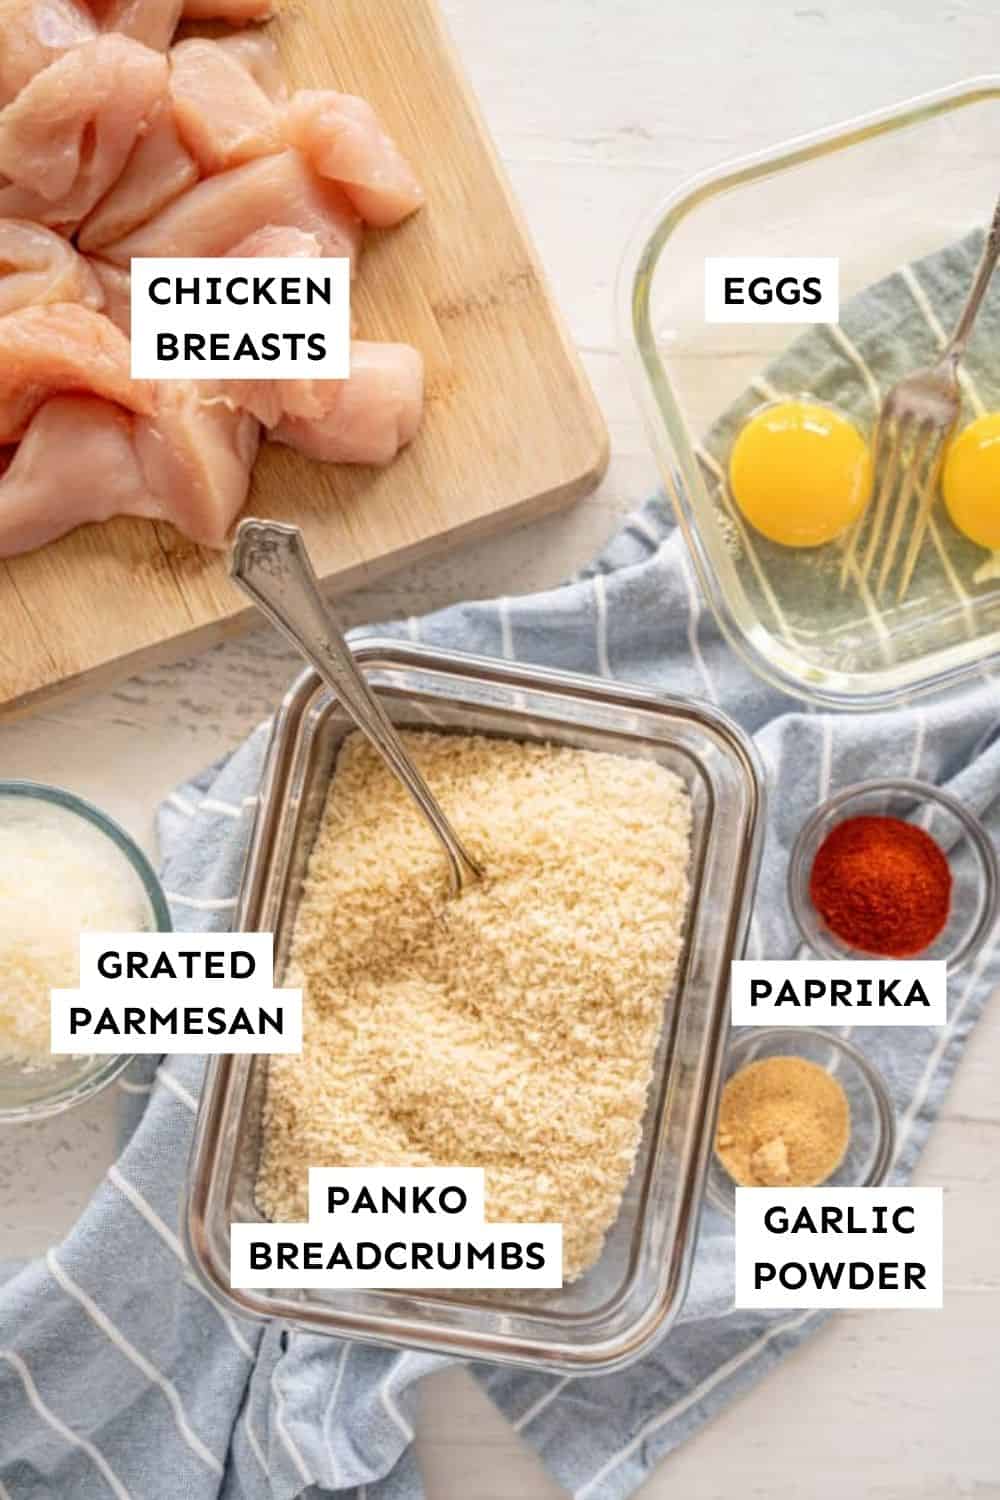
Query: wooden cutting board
{"type": "Point", "coordinates": [511, 428]}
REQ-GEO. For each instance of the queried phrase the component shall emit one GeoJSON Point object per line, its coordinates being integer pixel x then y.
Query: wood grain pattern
{"type": "Point", "coordinates": [511, 428]}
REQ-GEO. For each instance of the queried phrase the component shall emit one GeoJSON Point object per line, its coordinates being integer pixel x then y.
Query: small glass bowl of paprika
{"type": "Point", "coordinates": [894, 869]}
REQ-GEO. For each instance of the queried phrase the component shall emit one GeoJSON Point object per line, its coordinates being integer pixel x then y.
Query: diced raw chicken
{"type": "Point", "coordinates": [264, 397]}
{"type": "Point", "coordinates": [368, 418]}
{"type": "Point", "coordinates": [196, 454]}
{"type": "Point", "coordinates": [76, 463]}
{"type": "Point", "coordinates": [343, 139]}
{"type": "Point", "coordinates": [103, 138]}
{"type": "Point", "coordinates": [219, 212]}
{"type": "Point", "coordinates": [116, 284]}
{"type": "Point", "coordinates": [84, 459]}
{"type": "Point", "coordinates": [152, 22]}
{"type": "Point", "coordinates": [256, 52]}
{"type": "Point", "coordinates": [33, 33]}
{"type": "Point", "coordinates": [159, 169]}
{"type": "Point", "coordinates": [69, 132]}
{"type": "Point", "coordinates": [223, 115]}
{"type": "Point", "coordinates": [62, 347]}
{"type": "Point", "coordinates": [279, 240]}
{"type": "Point", "coordinates": [37, 266]}
{"type": "Point", "coordinates": [21, 203]}
{"type": "Point", "coordinates": [228, 10]}
{"type": "Point", "coordinates": [365, 419]}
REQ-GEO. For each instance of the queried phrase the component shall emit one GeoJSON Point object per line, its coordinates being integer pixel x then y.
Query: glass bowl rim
{"type": "Point", "coordinates": [69, 1094]}
{"type": "Point", "coordinates": [920, 791]}
{"type": "Point", "coordinates": [885, 1109]}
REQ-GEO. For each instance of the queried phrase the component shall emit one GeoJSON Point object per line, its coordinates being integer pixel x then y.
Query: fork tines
{"type": "Point", "coordinates": [907, 452]}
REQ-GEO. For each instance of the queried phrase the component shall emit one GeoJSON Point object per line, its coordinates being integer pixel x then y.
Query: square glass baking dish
{"type": "Point", "coordinates": [877, 193]}
{"type": "Point", "coordinates": [609, 1316]}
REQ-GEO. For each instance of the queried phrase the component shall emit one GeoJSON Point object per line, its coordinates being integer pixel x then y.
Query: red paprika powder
{"type": "Point", "coordinates": [882, 886]}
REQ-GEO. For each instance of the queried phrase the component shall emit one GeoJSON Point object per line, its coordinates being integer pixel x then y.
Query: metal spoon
{"type": "Point", "coordinates": [269, 562]}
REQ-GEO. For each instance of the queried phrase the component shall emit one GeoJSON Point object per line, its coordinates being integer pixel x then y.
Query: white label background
{"type": "Point", "coordinates": [333, 320]}
{"type": "Point", "coordinates": [403, 1230]}
{"type": "Point", "coordinates": [349, 1230]}
{"type": "Point", "coordinates": [775, 268]}
{"type": "Point", "coordinates": [395, 1179]}
{"type": "Point", "coordinates": [754, 1243]}
{"type": "Point", "coordinates": [932, 973]}
{"type": "Point", "coordinates": [164, 994]}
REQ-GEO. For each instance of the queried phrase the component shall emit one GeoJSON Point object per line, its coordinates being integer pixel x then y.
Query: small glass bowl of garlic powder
{"type": "Point", "coordinates": [65, 868]}
{"type": "Point", "coordinates": [801, 1107]}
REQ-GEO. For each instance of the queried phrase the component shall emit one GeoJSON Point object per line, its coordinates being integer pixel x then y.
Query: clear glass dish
{"type": "Point", "coordinates": [973, 861]}
{"type": "Point", "coordinates": [877, 193]}
{"type": "Point", "coordinates": [609, 1316]}
{"type": "Point", "coordinates": [872, 1143]}
{"type": "Point", "coordinates": [34, 1093]}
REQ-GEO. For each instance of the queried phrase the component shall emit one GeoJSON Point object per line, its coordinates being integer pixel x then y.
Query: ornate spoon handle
{"type": "Point", "coordinates": [269, 562]}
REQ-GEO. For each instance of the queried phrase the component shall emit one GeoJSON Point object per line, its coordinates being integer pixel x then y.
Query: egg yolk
{"type": "Point", "coordinates": [970, 481]}
{"type": "Point", "coordinates": [800, 473]}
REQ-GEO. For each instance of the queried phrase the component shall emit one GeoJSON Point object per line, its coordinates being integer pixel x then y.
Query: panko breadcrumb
{"type": "Point", "coordinates": [512, 1028]}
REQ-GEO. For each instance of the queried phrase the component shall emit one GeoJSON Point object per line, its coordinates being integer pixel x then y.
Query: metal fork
{"type": "Point", "coordinates": [916, 419]}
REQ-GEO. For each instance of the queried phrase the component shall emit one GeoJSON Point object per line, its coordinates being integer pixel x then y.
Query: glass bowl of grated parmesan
{"type": "Point", "coordinates": [65, 868]}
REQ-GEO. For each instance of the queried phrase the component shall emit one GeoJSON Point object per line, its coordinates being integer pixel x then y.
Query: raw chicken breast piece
{"type": "Point", "coordinates": [69, 132]}
{"type": "Point", "coordinates": [256, 52]}
{"type": "Point", "coordinates": [37, 266]}
{"type": "Point", "coordinates": [343, 139]}
{"type": "Point", "coordinates": [76, 463]}
{"type": "Point", "coordinates": [196, 455]}
{"type": "Point", "coordinates": [152, 22]}
{"type": "Point", "coordinates": [159, 169]}
{"type": "Point", "coordinates": [223, 115]}
{"type": "Point", "coordinates": [264, 397]}
{"type": "Point", "coordinates": [84, 459]}
{"type": "Point", "coordinates": [365, 419]}
{"type": "Point", "coordinates": [278, 240]}
{"type": "Point", "coordinates": [34, 33]}
{"type": "Point", "coordinates": [116, 284]}
{"type": "Point", "coordinates": [228, 10]}
{"type": "Point", "coordinates": [368, 418]}
{"type": "Point", "coordinates": [62, 347]}
{"type": "Point", "coordinates": [220, 211]}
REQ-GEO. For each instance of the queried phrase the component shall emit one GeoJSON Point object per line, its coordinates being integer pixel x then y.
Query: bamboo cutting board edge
{"type": "Point", "coordinates": [512, 429]}
{"type": "Point", "coordinates": [245, 617]}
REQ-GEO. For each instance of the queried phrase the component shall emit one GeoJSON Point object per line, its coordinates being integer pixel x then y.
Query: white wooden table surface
{"type": "Point", "coordinates": [599, 108]}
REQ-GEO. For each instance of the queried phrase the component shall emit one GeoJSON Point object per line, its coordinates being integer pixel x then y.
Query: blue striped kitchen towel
{"type": "Point", "coordinates": [120, 1377]}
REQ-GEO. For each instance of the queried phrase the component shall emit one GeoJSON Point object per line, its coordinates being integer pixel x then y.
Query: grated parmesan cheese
{"type": "Point", "coordinates": [59, 876]}
{"type": "Point", "coordinates": [512, 1029]}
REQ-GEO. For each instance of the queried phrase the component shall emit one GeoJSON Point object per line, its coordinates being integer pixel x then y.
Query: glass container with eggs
{"type": "Point", "coordinates": [763, 431]}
